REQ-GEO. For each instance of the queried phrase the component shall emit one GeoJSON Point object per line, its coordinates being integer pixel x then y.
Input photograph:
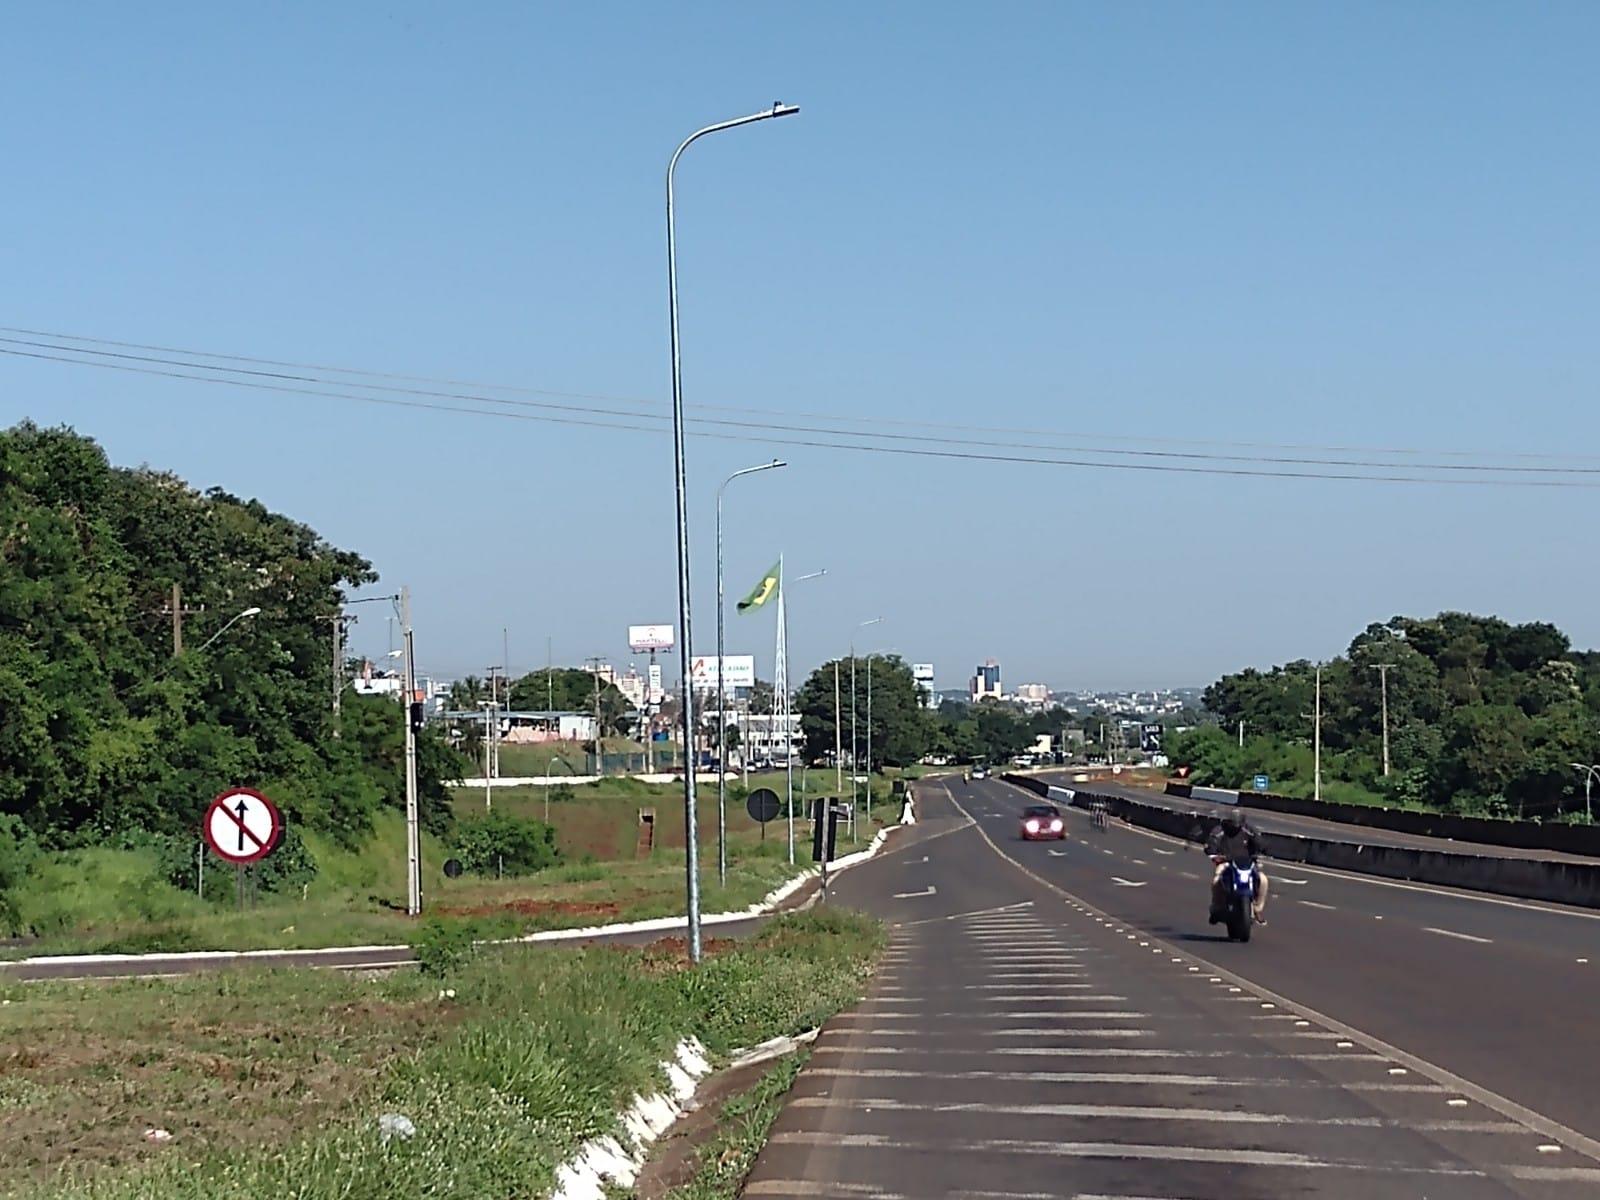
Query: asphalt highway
{"type": "Point", "coordinates": [1057, 1020]}
{"type": "Point", "coordinates": [1296, 825]}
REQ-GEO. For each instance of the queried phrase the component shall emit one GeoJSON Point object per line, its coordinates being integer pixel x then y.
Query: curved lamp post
{"type": "Point", "coordinates": [685, 623]}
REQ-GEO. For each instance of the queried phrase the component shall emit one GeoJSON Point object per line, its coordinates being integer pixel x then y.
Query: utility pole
{"type": "Point", "coordinates": [838, 740]}
{"type": "Point", "coordinates": [870, 657]}
{"type": "Point", "coordinates": [599, 750]}
{"type": "Point", "coordinates": [177, 611]}
{"type": "Point", "coordinates": [491, 767]}
{"type": "Point", "coordinates": [337, 624]}
{"type": "Point", "coordinates": [1383, 675]}
{"type": "Point", "coordinates": [413, 833]}
{"type": "Point", "coordinates": [1317, 783]}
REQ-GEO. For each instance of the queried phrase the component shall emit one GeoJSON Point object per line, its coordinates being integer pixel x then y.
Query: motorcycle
{"type": "Point", "coordinates": [1241, 882]}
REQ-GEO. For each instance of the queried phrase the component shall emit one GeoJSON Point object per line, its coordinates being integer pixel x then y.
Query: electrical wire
{"type": "Point", "coordinates": [1081, 436]}
{"type": "Point", "coordinates": [768, 427]}
{"type": "Point", "coordinates": [812, 442]}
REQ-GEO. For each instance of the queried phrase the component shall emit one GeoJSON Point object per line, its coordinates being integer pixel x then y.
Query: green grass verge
{"type": "Point", "coordinates": [114, 901]}
{"type": "Point", "coordinates": [272, 1082]}
{"type": "Point", "coordinates": [723, 1164]}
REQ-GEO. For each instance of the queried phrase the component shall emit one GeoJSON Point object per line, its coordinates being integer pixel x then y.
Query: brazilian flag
{"type": "Point", "coordinates": [763, 591]}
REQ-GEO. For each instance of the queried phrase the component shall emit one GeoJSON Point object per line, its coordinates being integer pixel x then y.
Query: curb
{"type": "Point", "coordinates": [761, 908]}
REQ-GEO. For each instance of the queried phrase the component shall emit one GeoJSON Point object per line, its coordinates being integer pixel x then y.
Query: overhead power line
{"type": "Point", "coordinates": [1078, 437]}
{"type": "Point", "coordinates": [798, 435]}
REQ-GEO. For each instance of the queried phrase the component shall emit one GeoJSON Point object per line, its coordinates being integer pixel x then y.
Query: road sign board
{"type": "Point", "coordinates": [452, 868]}
{"type": "Point", "coordinates": [242, 826]}
{"type": "Point", "coordinates": [1262, 783]}
{"type": "Point", "coordinates": [763, 805]}
{"type": "Point", "coordinates": [649, 637]}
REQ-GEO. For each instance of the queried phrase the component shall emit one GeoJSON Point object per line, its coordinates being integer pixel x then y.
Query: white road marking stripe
{"type": "Point", "coordinates": [1160, 1078]}
{"type": "Point", "coordinates": [1451, 933]}
{"type": "Point", "coordinates": [1102, 1052]}
{"type": "Point", "coordinates": [988, 1014]}
{"type": "Point", "coordinates": [1125, 1150]}
{"type": "Point", "coordinates": [1159, 850]}
{"type": "Point", "coordinates": [1121, 882]}
{"type": "Point", "coordinates": [1036, 1035]}
{"type": "Point", "coordinates": [1010, 998]}
{"type": "Point", "coordinates": [1317, 904]}
{"type": "Point", "coordinates": [1156, 1112]}
{"type": "Point", "coordinates": [1286, 879]}
{"type": "Point", "coordinates": [930, 890]}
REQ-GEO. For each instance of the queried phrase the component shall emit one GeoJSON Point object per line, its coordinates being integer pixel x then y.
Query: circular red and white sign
{"type": "Point", "coordinates": [242, 826]}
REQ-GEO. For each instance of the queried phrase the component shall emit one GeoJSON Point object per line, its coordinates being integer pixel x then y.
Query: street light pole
{"type": "Point", "coordinates": [685, 616]}
{"type": "Point", "coordinates": [1317, 786]}
{"type": "Point", "coordinates": [854, 751]}
{"type": "Point", "coordinates": [1588, 778]}
{"type": "Point", "coordinates": [553, 760]}
{"type": "Point", "coordinates": [722, 691]}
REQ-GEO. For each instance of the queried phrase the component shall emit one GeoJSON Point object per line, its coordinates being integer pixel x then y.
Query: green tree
{"type": "Point", "coordinates": [899, 733]}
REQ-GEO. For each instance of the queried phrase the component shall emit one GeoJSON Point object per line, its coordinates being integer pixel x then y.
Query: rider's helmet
{"type": "Point", "coordinates": [1230, 822]}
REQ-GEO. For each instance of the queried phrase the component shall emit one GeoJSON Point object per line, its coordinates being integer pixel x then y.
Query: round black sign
{"type": "Point", "coordinates": [763, 805]}
{"type": "Point", "coordinates": [452, 867]}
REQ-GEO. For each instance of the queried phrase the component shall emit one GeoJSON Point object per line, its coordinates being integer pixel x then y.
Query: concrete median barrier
{"type": "Point", "coordinates": [1524, 878]}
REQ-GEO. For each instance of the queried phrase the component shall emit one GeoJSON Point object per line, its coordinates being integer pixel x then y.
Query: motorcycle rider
{"type": "Point", "coordinates": [1231, 838]}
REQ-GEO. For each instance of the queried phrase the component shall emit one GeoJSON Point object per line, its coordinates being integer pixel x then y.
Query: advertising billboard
{"type": "Point", "coordinates": [922, 672]}
{"type": "Point", "coordinates": [738, 670]}
{"type": "Point", "coordinates": [649, 637]}
{"type": "Point", "coordinates": [655, 694]}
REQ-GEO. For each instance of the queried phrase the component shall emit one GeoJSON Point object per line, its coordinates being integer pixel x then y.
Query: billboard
{"type": "Point", "coordinates": [738, 670]}
{"type": "Point", "coordinates": [922, 672]}
{"type": "Point", "coordinates": [649, 637]}
{"type": "Point", "coordinates": [655, 694]}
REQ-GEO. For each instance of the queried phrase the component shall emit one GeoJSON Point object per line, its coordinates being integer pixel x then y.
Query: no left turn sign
{"type": "Point", "coordinates": [242, 826]}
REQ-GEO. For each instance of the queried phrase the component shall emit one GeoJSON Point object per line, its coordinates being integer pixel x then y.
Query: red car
{"type": "Point", "coordinates": [1043, 823]}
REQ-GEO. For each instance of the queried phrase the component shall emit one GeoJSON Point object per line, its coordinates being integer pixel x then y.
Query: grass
{"type": "Point", "coordinates": [271, 1083]}
{"type": "Point", "coordinates": [108, 901]}
{"type": "Point", "coordinates": [723, 1164]}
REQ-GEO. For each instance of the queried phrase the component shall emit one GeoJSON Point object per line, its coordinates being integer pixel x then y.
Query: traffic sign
{"type": "Point", "coordinates": [242, 826]}
{"type": "Point", "coordinates": [1262, 783]}
{"type": "Point", "coordinates": [763, 805]}
{"type": "Point", "coordinates": [452, 868]}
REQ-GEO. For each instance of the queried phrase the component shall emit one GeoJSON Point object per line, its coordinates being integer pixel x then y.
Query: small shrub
{"type": "Point", "coordinates": [499, 842]}
{"type": "Point", "coordinates": [443, 947]}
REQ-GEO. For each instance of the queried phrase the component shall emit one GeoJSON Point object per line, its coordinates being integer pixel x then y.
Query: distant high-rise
{"type": "Point", "coordinates": [986, 682]}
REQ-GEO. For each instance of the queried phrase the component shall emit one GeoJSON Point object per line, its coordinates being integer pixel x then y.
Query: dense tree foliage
{"type": "Point", "coordinates": [903, 730]}
{"type": "Point", "coordinates": [569, 689]}
{"type": "Point", "coordinates": [103, 730]}
{"type": "Point", "coordinates": [1484, 716]}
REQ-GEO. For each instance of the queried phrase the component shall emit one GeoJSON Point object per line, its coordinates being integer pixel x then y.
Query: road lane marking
{"type": "Point", "coordinates": [1158, 1112]}
{"type": "Point", "coordinates": [1286, 879]}
{"type": "Point", "coordinates": [1159, 850]}
{"type": "Point", "coordinates": [930, 890]}
{"type": "Point", "coordinates": [1316, 904]}
{"type": "Point", "coordinates": [1054, 853]}
{"type": "Point", "coordinates": [1158, 1078]}
{"type": "Point", "coordinates": [1451, 933]}
{"type": "Point", "coordinates": [1121, 882]}
{"type": "Point", "coordinates": [1126, 1150]}
{"type": "Point", "coordinates": [1506, 1107]}
{"type": "Point", "coordinates": [984, 1054]}
{"type": "Point", "coordinates": [964, 916]}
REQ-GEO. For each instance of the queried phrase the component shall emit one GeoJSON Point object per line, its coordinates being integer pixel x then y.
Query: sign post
{"type": "Point", "coordinates": [242, 827]}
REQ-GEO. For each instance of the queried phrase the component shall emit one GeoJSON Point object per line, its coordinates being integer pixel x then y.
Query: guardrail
{"type": "Point", "coordinates": [1482, 831]}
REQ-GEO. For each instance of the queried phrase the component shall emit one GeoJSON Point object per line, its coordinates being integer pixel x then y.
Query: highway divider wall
{"type": "Point", "coordinates": [1524, 878]}
{"type": "Point", "coordinates": [1483, 831]}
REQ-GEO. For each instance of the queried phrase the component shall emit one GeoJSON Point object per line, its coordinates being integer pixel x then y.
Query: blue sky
{"type": "Point", "coordinates": [1362, 225]}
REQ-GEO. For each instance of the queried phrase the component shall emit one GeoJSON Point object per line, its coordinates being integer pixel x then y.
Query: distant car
{"type": "Point", "coordinates": [1042, 823]}
{"type": "Point", "coordinates": [979, 771]}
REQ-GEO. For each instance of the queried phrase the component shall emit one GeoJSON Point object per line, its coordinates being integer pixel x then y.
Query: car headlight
{"type": "Point", "coordinates": [1032, 827]}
